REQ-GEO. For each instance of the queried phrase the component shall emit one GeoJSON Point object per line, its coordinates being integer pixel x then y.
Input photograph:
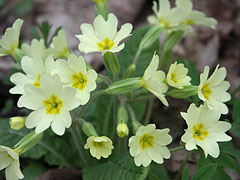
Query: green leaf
{"type": "Point", "coordinates": [131, 46]}
{"type": "Point", "coordinates": [2, 3]}
{"type": "Point", "coordinates": [54, 34]}
{"type": "Point", "coordinates": [236, 111]}
{"type": "Point", "coordinates": [202, 161]}
{"type": "Point", "coordinates": [158, 170]}
{"type": "Point", "coordinates": [193, 73]}
{"type": "Point", "coordinates": [206, 172]}
{"type": "Point", "coordinates": [45, 29]}
{"type": "Point", "coordinates": [121, 168]}
{"type": "Point", "coordinates": [35, 33]}
{"type": "Point", "coordinates": [227, 162]}
{"type": "Point", "coordinates": [23, 7]}
{"type": "Point", "coordinates": [185, 175]}
{"type": "Point", "coordinates": [221, 174]}
{"type": "Point", "coordinates": [32, 171]}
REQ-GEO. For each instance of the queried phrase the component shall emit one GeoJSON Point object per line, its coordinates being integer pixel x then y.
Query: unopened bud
{"type": "Point", "coordinates": [124, 86]}
{"type": "Point", "coordinates": [17, 123]}
{"type": "Point", "coordinates": [122, 130]}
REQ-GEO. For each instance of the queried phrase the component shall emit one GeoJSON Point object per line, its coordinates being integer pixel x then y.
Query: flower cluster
{"type": "Point", "coordinates": [56, 85]}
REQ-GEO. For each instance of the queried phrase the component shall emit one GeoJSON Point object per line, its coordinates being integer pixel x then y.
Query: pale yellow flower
{"type": "Point", "coordinates": [122, 130]}
{"type": "Point", "coordinates": [213, 90]}
{"type": "Point", "coordinates": [153, 79]}
{"type": "Point", "coordinates": [102, 36]}
{"type": "Point", "coordinates": [9, 159]}
{"type": "Point", "coordinates": [149, 144]}
{"type": "Point", "coordinates": [99, 146]}
{"type": "Point", "coordinates": [204, 129]}
{"type": "Point", "coordinates": [10, 39]}
{"type": "Point", "coordinates": [177, 76]}
{"type": "Point", "coordinates": [17, 123]}
{"type": "Point", "coordinates": [51, 105]}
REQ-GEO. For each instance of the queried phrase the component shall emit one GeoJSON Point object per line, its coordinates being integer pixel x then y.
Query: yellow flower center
{"type": "Point", "coordinates": [64, 53]}
{"type": "Point", "coordinates": [173, 78]}
{"type": "Point", "coordinates": [146, 141]}
{"type": "Point", "coordinates": [79, 81]}
{"type": "Point", "coordinates": [165, 23]}
{"type": "Point", "coordinates": [206, 91]}
{"type": "Point", "coordinates": [105, 45]}
{"type": "Point", "coordinates": [97, 144]}
{"type": "Point", "coordinates": [189, 22]}
{"type": "Point", "coordinates": [11, 49]}
{"type": "Point", "coordinates": [36, 84]}
{"type": "Point", "coordinates": [53, 105]}
{"type": "Point", "coordinates": [199, 132]}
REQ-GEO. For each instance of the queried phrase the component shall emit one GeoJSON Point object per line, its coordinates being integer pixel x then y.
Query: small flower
{"type": "Point", "coordinates": [102, 36]}
{"type": "Point", "coordinates": [34, 69]}
{"type": "Point", "coordinates": [17, 123]}
{"type": "Point", "coordinates": [51, 105]}
{"type": "Point", "coordinates": [150, 144]}
{"type": "Point", "coordinates": [167, 18]}
{"type": "Point", "coordinates": [177, 76]}
{"type": "Point", "coordinates": [212, 90]}
{"type": "Point", "coordinates": [74, 73]}
{"type": "Point", "coordinates": [35, 50]}
{"type": "Point", "coordinates": [59, 47]}
{"type": "Point", "coordinates": [99, 146]}
{"type": "Point", "coordinates": [10, 160]}
{"type": "Point", "coordinates": [152, 80]}
{"type": "Point", "coordinates": [204, 129]}
{"type": "Point", "coordinates": [194, 17]}
{"type": "Point", "coordinates": [10, 39]}
{"type": "Point", "coordinates": [122, 130]}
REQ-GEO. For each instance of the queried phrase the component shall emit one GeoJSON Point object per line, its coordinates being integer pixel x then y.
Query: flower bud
{"type": "Point", "coordinates": [101, 8]}
{"type": "Point", "coordinates": [187, 91]}
{"type": "Point", "coordinates": [28, 142]}
{"type": "Point", "coordinates": [88, 129]}
{"type": "Point", "coordinates": [111, 63]}
{"type": "Point", "coordinates": [150, 37]}
{"type": "Point", "coordinates": [17, 123]}
{"type": "Point", "coordinates": [122, 130]}
{"type": "Point", "coordinates": [124, 86]}
{"type": "Point", "coordinates": [130, 71]}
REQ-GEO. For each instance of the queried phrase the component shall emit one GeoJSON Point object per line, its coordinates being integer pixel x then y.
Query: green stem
{"type": "Point", "coordinates": [137, 56]}
{"type": "Point", "coordinates": [183, 165]}
{"type": "Point", "coordinates": [55, 153]}
{"type": "Point", "coordinates": [77, 138]}
{"type": "Point", "coordinates": [149, 112]}
{"type": "Point", "coordinates": [107, 118]}
{"type": "Point", "coordinates": [154, 177]}
{"type": "Point", "coordinates": [177, 149]}
{"type": "Point", "coordinates": [107, 80]}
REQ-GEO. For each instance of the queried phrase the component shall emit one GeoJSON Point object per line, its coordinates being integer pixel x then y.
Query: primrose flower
{"type": "Point", "coordinates": [10, 39]}
{"type": "Point", "coordinates": [204, 129]}
{"type": "Point", "coordinates": [122, 130]}
{"type": "Point", "coordinates": [59, 47]}
{"type": "Point", "coordinates": [150, 144]}
{"type": "Point", "coordinates": [51, 105]}
{"type": "Point", "coordinates": [167, 18]}
{"type": "Point", "coordinates": [10, 160]}
{"type": "Point", "coordinates": [34, 69]}
{"type": "Point", "coordinates": [212, 90]}
{"type": "Point", "coordinates": [17, 123]}
{"type": "Point", "coordinates": [74, 73]}
{"type": "Point", "coordinates": [102, 36]}
{"type": "Point", "coordinates": [152, 80]}
{"type": "Point", "coordinates": [35, 49]}
{"type": "Point", "coordinates": [194, 17]}
{"type": "Point", "coordinates": [177, 76]}
{"type": "Point", "coordinates": [99, 146]}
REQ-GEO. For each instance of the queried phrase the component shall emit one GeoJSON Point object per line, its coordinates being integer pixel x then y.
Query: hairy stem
{"type": "Point", "coordinates": [149, 112]}
{"type": "Point", "coordinates": [183, 165]}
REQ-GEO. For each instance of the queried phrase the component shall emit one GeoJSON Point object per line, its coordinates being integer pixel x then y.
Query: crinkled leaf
{"type": "Point", "coordinates": [32, 171]}
{"type": "Point", "coordinates": [159, 171]}
{"type": "Point", "coordinates": [185, 175]}
{"type": "Point", "coordinates": [121, 168]}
